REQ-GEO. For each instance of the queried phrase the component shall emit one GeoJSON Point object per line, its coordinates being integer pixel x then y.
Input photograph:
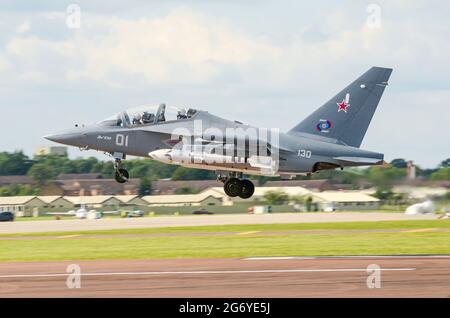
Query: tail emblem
{"type": "Point", "coordinates": [324, 126]}
{"type": "Point", "coordinates": [344, 104]}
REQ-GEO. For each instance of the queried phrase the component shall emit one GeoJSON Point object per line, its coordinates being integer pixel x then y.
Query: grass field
{"type": "Point", "coordinates": [353, 238]}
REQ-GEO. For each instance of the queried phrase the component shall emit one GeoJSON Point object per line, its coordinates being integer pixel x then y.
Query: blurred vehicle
{"type": "Point", "coordinates": [94, 215]}
{"type": "Point", "coordinates": [202, 212]}
{"type": "Point", "coordinates": [260, 209]}
{"type": "Point", "coordinates": [82, 213]}
{"type": "Point", "coordinates": [420, 208]}
{"type": "Point", "coordinates": [6, 216]}
{"type": "Point", "coordinates": [299, 207]}
{"type": "Point", "coordinates": [131, 214]}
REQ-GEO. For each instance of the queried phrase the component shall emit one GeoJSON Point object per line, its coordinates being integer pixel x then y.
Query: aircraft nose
{"type": "Point", "coordinates": [67, 138]}
{"type": "Point", "coordinates": [55, 137]}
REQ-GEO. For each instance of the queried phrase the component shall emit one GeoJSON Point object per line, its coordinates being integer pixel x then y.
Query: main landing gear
{"type": "Point", "coordinates": [121, 175]}
{"type": "Point", "coordinates": [235, 186]}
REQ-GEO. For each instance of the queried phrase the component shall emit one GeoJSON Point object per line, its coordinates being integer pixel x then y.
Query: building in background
{"type": "Point", "coordinates": [165, 187]}
{"type": "Point", "coordinates": [51, 150]}
{"type": "Point", "coordinates": [13, 180]}
{"type": "Point", "coordinates": [172, 187]}
{"type": "Point", "coordinates": [55, 202]}
{"type": "Point", "coordinates": [410, 170]}
{"type": "Point", "coordinates": [89, 185]}
{"type": "Point", "coordinates": [311, 185]}
{"type": "Point", "coordinates": [199, 199]}
{"type": "Point", "coordinates": [131, 200]}
{"type": "Point", "coordinates": [344, 201]}
{"type": "Point", "coordinates": [260, 192]}
{"type": "Point", "coordinates": [22, 205]}
{"type": "Point", "coordinates": [78, 176]}
{"type": "Point", "coordinates": [422, 190]}
{"type": "Point", "coordinates": [94, 202]}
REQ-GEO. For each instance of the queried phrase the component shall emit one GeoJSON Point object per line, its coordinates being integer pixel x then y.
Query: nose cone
{"type": "Point", "coordinates": [69, 137]}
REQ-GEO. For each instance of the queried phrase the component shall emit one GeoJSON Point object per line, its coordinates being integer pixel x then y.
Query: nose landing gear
{"type": "Point", "coordinates": [235, 186]}
{"type": "Point", "coordinates": [121, 175]}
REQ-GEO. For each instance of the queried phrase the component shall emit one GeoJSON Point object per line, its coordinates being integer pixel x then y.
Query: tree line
{"type": "Point", "coordinates": [44, 168]}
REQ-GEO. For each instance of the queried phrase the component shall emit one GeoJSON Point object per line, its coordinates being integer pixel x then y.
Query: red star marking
{"type": "Point", "coordinates": [342, 106]}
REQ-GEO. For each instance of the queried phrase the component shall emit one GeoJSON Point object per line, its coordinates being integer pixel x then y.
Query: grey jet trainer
{"type": "Point", "coordinates": [329, 138]}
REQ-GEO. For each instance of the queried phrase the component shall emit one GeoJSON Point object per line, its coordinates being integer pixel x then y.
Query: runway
{"type": "Point", "coordinates": [411, 276]}
{"type": "Point", "coordinates": [199, 220]}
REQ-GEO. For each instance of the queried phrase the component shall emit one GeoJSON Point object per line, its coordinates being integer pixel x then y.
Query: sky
{"type": "Point", "coordinates": [266, 63]}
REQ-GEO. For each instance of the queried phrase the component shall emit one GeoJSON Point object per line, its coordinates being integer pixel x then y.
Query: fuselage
{"type": "Point", "coordinates": [241, 146]}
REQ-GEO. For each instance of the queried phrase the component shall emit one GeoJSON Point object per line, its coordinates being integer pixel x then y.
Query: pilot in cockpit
{"type": "Point", "coordinates": [162, 117]}
{"type": "Point", "coordinates": [191, 112]}
{"type": "Point", "coordinates": [182, 114]}
{"type": "Point", "coordinates": [161, 113]}
{"type": "Point", "coordinates": [137, 119]}
{"type": "Point", "coordinates": [147, 118]}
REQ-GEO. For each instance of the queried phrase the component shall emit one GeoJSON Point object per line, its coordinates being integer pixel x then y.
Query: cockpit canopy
{"type": "Point", "coordinates": [148, 115]}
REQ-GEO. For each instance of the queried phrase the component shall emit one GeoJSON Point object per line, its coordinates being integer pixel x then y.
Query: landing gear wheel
{"type": "Point", "coordinates": [232, 187]}
{"type": "Point", "coordinates": [121, 175]}
{"type": "Point", "coordinates": [247, 189]}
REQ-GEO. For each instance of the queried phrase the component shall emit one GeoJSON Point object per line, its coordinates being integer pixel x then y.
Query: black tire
{"type": "Point", "coordinates": [121, 176]}
{"type": "Point", "coordinates": [232, 187]}
{"type": "Point", "coordinates": [248, 188]}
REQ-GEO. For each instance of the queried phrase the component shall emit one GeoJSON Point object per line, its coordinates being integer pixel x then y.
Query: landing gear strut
{"type": "Point", "coordinates": [121, 175]}
{"type": "Point", "coordinates": [235, 186]}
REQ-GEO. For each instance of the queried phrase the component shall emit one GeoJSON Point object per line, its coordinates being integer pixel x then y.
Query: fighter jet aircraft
{"type": "Point", "coordinates": [329, 138]}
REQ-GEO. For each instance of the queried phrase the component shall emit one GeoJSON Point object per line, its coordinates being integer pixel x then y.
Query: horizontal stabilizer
{"type": "Point", "coordinates": [360, 160]}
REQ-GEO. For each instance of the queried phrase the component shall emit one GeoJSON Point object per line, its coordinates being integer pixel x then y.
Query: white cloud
{"type": "Point", "coordinates": [189, 47]}
{"type": "Point", "coordinates": [5, 65]}
{"type": "Point", "coordinates": [181, 47]}
{"type": "Point", "coordinates": [411, 125]}
{"type": "Point", "coordinates": [216, 60]}
{"type": "Point", "coordinates": [23, 28]}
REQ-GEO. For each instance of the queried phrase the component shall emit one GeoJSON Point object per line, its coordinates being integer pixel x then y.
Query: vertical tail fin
{"type": "Point", "coordinates": [347, 115]}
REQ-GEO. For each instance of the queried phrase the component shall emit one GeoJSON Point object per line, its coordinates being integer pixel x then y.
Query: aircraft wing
{"type": "Point", "coordinates": [212, 130]}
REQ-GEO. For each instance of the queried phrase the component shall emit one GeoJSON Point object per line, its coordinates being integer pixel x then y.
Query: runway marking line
{"type": "Point", "coordinates": [270, 271]}
{"type": "Point", "coordinates": [68, 236]}
{"type": "Point", "coordinates": [246, 233]}
{"type": "Point", "coordinates": [281, 258]}
{"type": "Point", "coordinates": [419, 230]}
